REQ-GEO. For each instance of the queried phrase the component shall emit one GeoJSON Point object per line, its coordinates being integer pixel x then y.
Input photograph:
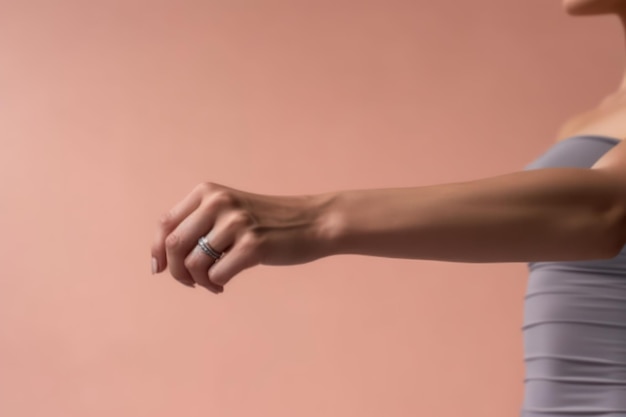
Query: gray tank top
{"type": "Point", "coordinates": [574, 325]}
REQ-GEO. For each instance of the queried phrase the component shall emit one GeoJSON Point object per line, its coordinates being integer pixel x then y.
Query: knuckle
{"type": "Point", "coordinates": [172, 241]}
{"type": "Point", "coordinates": [239, 219]}
{"type": "Point", "coordinates": [252, 241]}
{"type": "Point", "coordinates": [220, 199]}
{"type": "Point", "coordinates": [205, 187]}
{"type": "Point", "coordinates": [225, 198]}
{"type": "Point", "coordinates": [166, 219]}
{"type": "Point", "coordinates": [192, 263]}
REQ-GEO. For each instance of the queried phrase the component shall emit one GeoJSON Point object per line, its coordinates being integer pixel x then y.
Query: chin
{"type": "Point", "coordinates": [593, 7]}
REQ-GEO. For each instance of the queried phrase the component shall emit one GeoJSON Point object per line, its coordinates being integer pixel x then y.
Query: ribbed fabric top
{"type": "Point", "coordinates": [575, 318]}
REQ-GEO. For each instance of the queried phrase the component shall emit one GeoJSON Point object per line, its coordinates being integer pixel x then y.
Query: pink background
{"type": "Point", "coordinates": [112, 111]}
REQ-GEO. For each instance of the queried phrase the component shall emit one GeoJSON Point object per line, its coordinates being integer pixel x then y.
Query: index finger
{"type": "Point", "coordinates": [170, 220]}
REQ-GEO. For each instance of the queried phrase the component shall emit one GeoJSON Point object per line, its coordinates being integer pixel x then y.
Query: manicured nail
{"type": "Point", "coordinates": [155, 265]}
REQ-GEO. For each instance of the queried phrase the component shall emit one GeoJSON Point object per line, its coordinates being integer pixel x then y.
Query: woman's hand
{"type": "Point", "coordinates": [248, 229]}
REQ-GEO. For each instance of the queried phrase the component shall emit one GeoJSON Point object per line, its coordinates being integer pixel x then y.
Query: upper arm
{"type": "Point", "coordinates": [613, 164]}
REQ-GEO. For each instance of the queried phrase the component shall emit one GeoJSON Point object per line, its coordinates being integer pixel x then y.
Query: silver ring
{"type": "Point", "coordinates": [204, 245]}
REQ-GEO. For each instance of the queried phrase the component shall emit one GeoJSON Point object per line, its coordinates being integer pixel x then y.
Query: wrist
{"type": "Point", "coordinates": [329, 222]}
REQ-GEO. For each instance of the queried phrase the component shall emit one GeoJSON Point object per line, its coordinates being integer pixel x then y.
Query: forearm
{"type": "Point", "coordinates": [555, 214]}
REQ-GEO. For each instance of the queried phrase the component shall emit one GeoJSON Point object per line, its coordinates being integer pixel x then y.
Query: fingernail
{"type": "Point", "coordinates": [212, 289]}
{"type": "Point", "coordinates": [155, 265]}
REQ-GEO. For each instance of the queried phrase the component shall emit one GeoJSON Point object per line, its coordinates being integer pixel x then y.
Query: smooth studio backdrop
{"type": "Point", "coordinates": [112, 111]}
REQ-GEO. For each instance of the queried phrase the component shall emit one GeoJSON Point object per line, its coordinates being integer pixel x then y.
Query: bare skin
{"type": "Point", "coordinates": [537, 215]}
{"type": "Point", "coordinates": [608, 118]}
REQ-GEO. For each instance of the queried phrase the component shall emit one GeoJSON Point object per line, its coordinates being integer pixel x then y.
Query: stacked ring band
{"type": "Point", "coordinates": [206, 248]}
